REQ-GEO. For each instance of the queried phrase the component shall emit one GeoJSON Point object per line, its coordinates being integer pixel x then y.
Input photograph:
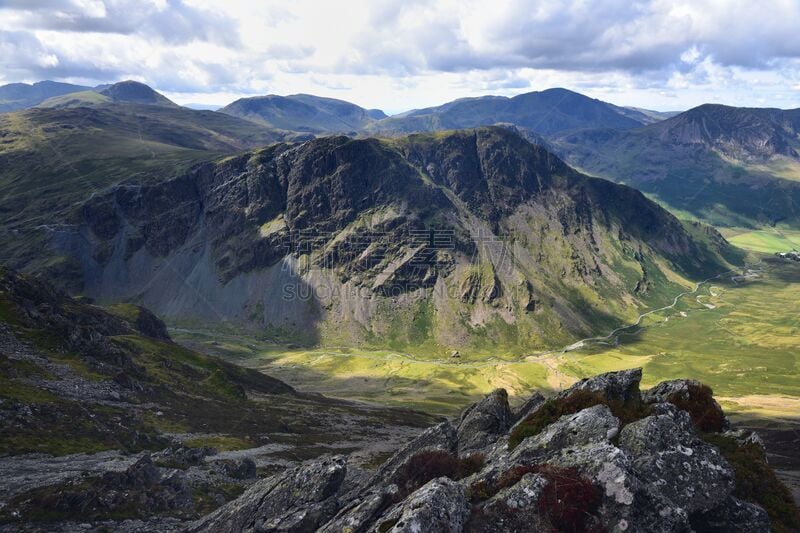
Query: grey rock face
{"type": "Point", "coordinates": [733, 515]}
{"type": "Point", "coordinates": [361, 513]}
{"type": "Point", "coordinates": [529, 406]}
{"type": "Point", "coordinates": [301, 499]}
{"type": "Point", "coordinates": [439, 506]}
{"type": "Point", "coordinates": [483, 422]}
{"type": "Point", "coordinates": [653, 475]}
{"type": "Point", "coordinates": [621, 386]}
{"type": "Point", "coordinates": [592, 425]}
{"type": "Point", "coordinates": [442, 437]}
{"type": "Point", "coordinates": [675, 463]}
{"type": "Point", "coordinates": [511, 510]}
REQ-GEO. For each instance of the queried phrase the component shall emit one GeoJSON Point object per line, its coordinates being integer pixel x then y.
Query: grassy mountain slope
{"type": "Point", "coordinates": [75, 377]}
{"type": "Point", "coordinates": [303, 112]}
{"type": "Point", "coordinates": [546, 112]}
{"type": "Point", "coordinates": [54, 157]}
{"type": "Point", "coordinates": [728, 166]}
{"type": "Point", "coordinates": [22, 95]}
{"type": "Point", "coordinates": [124, 92]}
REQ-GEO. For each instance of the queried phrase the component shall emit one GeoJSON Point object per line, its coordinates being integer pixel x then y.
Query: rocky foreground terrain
{"type": "Point", "coordinates": [108, 425]}
{"type": "Point", "coordinates": [600, 456]}
{"type": "Point", "coordinates": [103, 417]}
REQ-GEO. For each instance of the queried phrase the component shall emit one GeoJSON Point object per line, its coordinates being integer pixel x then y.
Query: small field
{"type": "Point", "coordinates": [768, 241]}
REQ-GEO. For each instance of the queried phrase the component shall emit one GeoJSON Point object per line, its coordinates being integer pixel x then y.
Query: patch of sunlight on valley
{"type": "Point", "coordinates": [770, 240]}
{"type": "Point", "coordinates": [740, 337]}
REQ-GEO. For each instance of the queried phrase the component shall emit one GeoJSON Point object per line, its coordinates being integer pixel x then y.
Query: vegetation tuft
{"type": "Point", "coordinates": [553, 409]}
{"type": "Point", "coordinates": [432, 464]}
{"type": "Point", "coordinates": [705, 412]}
{"type": "Point", "coordinates": [757, 483]}
{"type": "Point", "coordinates": [568, 501]}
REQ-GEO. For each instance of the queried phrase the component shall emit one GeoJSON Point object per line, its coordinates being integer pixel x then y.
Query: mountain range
{"type": "Point", "coordinates": [493, 236]}
{"type": "Point", "coordinates": [532, 251]}
{"type": "Point", "coordinates": [16, 96]}
{"type": "Point", "coordinates": [235, 208]}
{"type": "Point", "coordinates": [726, 165]}
{"type": "Point", "coordinates": [723, 165]}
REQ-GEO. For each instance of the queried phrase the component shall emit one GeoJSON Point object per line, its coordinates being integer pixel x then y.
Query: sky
{"type": "Point", "coordinates": [403, 54]}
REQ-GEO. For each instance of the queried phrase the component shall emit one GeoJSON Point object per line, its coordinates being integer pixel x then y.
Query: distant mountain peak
{"type": "Point", "coordinates": [304, 112]}
{"type": "Point", "coordinates": [16, 96]}
{"type": "Point", "coordinates": [742, 133]}
{"type": "Point", "coordinates": [546, 112]}
{"type": "Point", "coordinates": [136, 93]}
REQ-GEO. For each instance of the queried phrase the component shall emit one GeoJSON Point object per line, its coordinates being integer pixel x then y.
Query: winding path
{"type": "Point", "coordinates": [545, 357]}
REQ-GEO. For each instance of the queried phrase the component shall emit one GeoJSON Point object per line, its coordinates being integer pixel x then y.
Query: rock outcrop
{"type": "Point", "coordinates": [627, 462]}
{"type": "Point", "coordinates": [300, 499]}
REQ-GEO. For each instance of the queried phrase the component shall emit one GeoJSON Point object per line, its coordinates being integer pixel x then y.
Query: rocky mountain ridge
{"type": "Point", "coordinates": [600, 456]}
{"type": "Point", "coordinates": [472, 227]}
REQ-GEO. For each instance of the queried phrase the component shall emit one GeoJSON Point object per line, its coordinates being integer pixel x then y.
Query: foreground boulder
{"type": "Point", "coordinates": [300, 499]}
{"type": "Point", "coordinates": [483, 422]}
{"type": "Point", "coordinates": [599, 456]}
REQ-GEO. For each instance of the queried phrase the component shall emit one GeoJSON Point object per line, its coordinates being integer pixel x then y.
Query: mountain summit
{"type": "Point", "coordinates": [304, 112]}
{"type": "Point", "coordinates": [545, 112]}
{"type": "Point", "coordinates": [134, 92]}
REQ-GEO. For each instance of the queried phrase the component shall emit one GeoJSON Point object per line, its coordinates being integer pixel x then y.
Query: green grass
{"type": "Point", "coordinates": [746, 348]}
{"type": "Point", "coordinates": [770, 240]}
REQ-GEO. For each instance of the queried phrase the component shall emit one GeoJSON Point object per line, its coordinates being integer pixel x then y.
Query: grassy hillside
{"type": "Point", "coordinates": [304, 112]}
{"type": "Point", "coordinates": [545, 112]}
{"type": "Point", "coordinates": [731, 167]}
{"type": "Point", "coordinates": [52, 159]}
{"type": "Point", "coordinates": [734, 335]}
{"type": "Point", "coordinates": [92, 379]}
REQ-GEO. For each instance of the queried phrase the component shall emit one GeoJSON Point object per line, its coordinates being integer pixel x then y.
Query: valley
{"type": "Point", "coordinates": [733, 335]}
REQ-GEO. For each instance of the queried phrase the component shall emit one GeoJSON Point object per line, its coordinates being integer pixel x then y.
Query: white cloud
{"type": "Point", "coordinates": [398, 54]}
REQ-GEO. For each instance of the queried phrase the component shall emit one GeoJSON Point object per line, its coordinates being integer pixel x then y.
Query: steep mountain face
{"type": "Point", "coordinates": [459, 239]}
{"type": "Point", "coordinates": [732, 166]}
{"type": "Point", "coordinates": [546, 112]}
{"type": "Point", "coordinates": [22, 95]}
{"type": "Point", "coordinates": [743, 134]}
{"type": "Point", "coordinates": [303, 112]}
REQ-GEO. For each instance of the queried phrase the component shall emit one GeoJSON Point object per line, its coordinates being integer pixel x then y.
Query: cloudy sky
{"type": "Point", "coordinates": [402, 54]}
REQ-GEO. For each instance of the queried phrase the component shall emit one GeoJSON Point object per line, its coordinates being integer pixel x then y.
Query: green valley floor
{"type": "Point", "coordinates": [738, 334]}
